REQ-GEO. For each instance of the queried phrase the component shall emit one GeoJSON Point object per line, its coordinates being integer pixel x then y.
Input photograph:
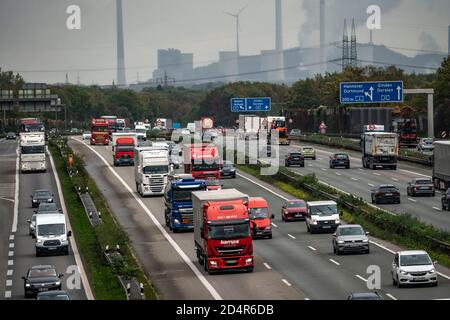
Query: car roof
{"type": "Point", "coordinates": [321, 203]}
{"type": "Point", "coordinates": [50, 218]}
{"type": "Point", "coordinates": [41, 190]}
{"type": "Point", "coordinates": [52, 293]}
{"type": "Point", "coordinates": [42, 266]}
{"type": "Point", "coordinates": [411, 252]}
{"type": "Point", "coordinates": [350, 226]}
{"type": "Point", "coordinates": [295, 200]}
{"type": "Point", "coordinates": [365, 294]}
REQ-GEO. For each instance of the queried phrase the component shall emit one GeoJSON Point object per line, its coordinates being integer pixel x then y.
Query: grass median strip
{"type": "Point", "coordinates": [92, 241]}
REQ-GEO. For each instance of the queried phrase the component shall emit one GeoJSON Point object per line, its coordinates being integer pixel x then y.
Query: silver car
{"type": "Point", "coordinates": [32, 225]}
{"type": "Point", "coordinates": [413, 267]}
{"type": "Point", "coordinates": [350, 238]}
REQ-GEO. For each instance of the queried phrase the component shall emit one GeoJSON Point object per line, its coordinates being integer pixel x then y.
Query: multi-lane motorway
{"type": "Point", "coordinates": [17, 251]}
{"type": "Point", "coordinates": [292, 265]}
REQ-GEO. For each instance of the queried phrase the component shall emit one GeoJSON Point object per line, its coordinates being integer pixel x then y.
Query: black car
{"type": "Point", "coordinates": [11, 136]}
{"type": "Point", "coordinates": [41, 196]}
{"type": "Point", "coordinates": [294, 158]}
{"type": "Point", "coordinates": [41, 278]}
{"type": "Point", "coordinates": [385, 193]}
{"type": "Point", "coordinates": [53, 295]}
{"type": "Point", "coordinates": [445, 200]}
{"type": "Point", "coordinates": [420, 186]}
{"type": "Point", "coordinates": [365, 296]}
{"type": "Point", "coordinates": [227, 170]}
{"type": "Point", "coordinates": [340, 160]}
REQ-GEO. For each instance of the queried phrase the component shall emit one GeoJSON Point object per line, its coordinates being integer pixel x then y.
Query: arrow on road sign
{"type": "Point", "coordinates": [371, 93]}
{"type": "Point", "coordinates": [398, 91]}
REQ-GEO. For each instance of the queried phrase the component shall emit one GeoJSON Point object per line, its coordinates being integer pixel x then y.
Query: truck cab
{"type": "Point", "coordinates": [151, 170]}
{"type": "Point", "coordinates": [32, 151]}
{"type": "Point", "coordinates": [178, 201]}
{"type": "Point", "coordinates": [123, 145]}
{"type": "Point", "coordinates": [141, 132]}
{"type": "Point", "coordinates": [99, 132]}
{"type": "Point", "coordinates": [202, 161]}
{"type": "Point", "coordinates": [260, 216]}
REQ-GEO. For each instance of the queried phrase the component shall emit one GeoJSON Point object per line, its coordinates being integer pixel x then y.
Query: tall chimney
{"type": "Point", "coordinates": [322, 35]}
{"type": "Point", "coordinates": [278, 26]}
{"type": "Point", "coordinates": [121, 80]}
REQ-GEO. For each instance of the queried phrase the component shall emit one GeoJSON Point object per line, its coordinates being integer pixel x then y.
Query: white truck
{"type": "Point", "coordinates": [151, 170]}
{"type": "Point", "coordinates": [141, 131]}
{"type": "Point", "coordinates": [51, 234]}
{"type": "Point", "coordinates": [441, 168]}
{"type": "Point", "coordinates": [191, 127]}
{"type": "Point", "coordinates": [379, 149]}
{"type": "Point", "coordinates": [249, 126]}
{"type": "Point", "coordinates": [32, 151]}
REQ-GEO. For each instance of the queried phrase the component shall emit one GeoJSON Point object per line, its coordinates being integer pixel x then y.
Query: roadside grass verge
{"type": "Point", "coordinates": [402, 229]}
{"type": "Point", "coordinates": [92, 241]}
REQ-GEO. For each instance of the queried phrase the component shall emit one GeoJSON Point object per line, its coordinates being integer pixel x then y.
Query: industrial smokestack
{"type": "Point", "coordinates": [278, 26]}
{"type": "Point", "coordinates": [121, 80]}
{"type": "Point", "coordinates": [322, 35]}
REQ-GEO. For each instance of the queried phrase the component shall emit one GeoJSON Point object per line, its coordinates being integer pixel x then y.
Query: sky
{"type": "Point", "coordinates": [35, 41]}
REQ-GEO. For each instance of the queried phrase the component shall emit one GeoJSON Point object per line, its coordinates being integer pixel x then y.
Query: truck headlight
{"type": "Point", "coordinates": [27, 285]}
{"type": "Point", "coordinates": [176, 221]}
{"type": "Point", "coordinates": [337, 221]}
{"type": "Point", "coordinates": [314, 222]}
{"type": "Point", "coordinates": [213, 263]}
{"type": "Point", "coordinates": [50, 200]}
{"type": "Point", "coordinates": [432, 271]}
{"type": "Point", "coordinates": [366, 240]}
{"type": "Point", "coordinates": [340, 241]}
{"type": "Point", "coordinates": [403, 272]}
{"type": "Point", "coordinates": [57, 283]}
{"type": "Point", "coordinates": [34, 200]}
{"type": "Point", "coordinates": [248, 260]}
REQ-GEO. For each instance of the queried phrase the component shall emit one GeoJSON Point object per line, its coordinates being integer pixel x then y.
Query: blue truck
{"type": "Point", "coordinates": [178, 202]}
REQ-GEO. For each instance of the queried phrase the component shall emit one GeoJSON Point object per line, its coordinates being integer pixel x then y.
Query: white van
{"type": "Point", "coordinates": [51, 234]}
{"type": "Point", "coordinates": [322, 216]}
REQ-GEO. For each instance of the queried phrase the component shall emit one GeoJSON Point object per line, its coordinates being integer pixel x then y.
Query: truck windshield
{"type": "Point", "coordinates": [184, 195]}
{"type": "Point", "coordinates": [231, 231]}
{"type": "Point", "coordinates": [258, 213]}
{"type": "Point", "coordinates": [99, 129]}
{"type": "Point", "coordinates": [205, 166]}
{"type": "Point", "coordinates": [156, 169]}
{"type": "Point", "coordinates": [33, 127]}
{"type": "Point", "coordinates": [51, 229]}
{"type": "Point", "coordinates": [323, 210]}
{"type": "Point", "coordinates": [32, 149]}
{"type": "Point", "coordinates": [122, 148]}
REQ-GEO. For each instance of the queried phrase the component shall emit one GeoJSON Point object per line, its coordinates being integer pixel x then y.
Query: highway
{"type": "Point", "coordinates": [20, 252]}
{"type": "Point", "coordinates": [359, 182]}
{"type": "Point", "coordinates": [292, 265]}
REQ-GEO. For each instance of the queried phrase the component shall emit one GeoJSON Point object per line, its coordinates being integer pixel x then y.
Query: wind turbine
{"type": "Point", "coordinates": [236, 16]}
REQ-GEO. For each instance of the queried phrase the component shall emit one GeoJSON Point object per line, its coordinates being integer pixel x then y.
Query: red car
{"type": "Point", "coordinates": [294, 210]}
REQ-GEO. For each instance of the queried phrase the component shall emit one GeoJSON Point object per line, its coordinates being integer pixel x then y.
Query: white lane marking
{"type": "Point", "coordinates": [312, 248]}
{"type": "Point", "coordinates": [290, 235]}
{"type": "Point", "coordinates": [273, 224]}
{"type": "Point", "coordinates": [354, 179]}
{"type": "Point", "coordinates": [415, 173]}
{"type": "Point", "coordinates": [10, 253]}
{"type": "Point", "coordinates": [413, 200]}
{"type": "Point", "coordinates": [10, 262]}
{"type": "Point", "coordinates": [11, 245]}
{"type": "Point", "coordinates": [9, 283]}
{"type": "Point", "coordinates": [175, 245]}
{"type": "Point", "coordinates": [335, 262]}
{"type": "Point", "coordinates": [6, 199]}
{"type": "Point", "coordinates": [11, 237]}
{"type": "Point", "coordinates": [382, 247]}
{"type": "Point", "coordinates": [395, 179]}
{"type": "Point", "coordinates": [9, 273]}
{"type": "Point", "coordinates": [267, 266]}
{"type": "Point", "coordinates": [359, 277]}
{"type": "Point", "coordinates": [7, 294]}
{"type": "Point", "coordinates": [286, 282]}
{"type": "Point", "coordinates": [436, 208]}
{"type": "Point", "coordinates": [306, 299]}
{"type": "Point", "coordinates": [310, 165]}
{"type": "Point", "coordinates": [376, 174]}
{"type": "Point", "coordinates": [323, 169]}
{"type": "Point", "coordinates": [16, 196]}
{"type": "Point", "coordinates": [391, 296]}
{"type": "Point", "coordinates": [372, 185]}
{"type": "Point", "coordinates": [338, 174]}
{"type": "Point", "coordinates": [73, 244]}
{"type": "Point", "coordinates": [265, 188]}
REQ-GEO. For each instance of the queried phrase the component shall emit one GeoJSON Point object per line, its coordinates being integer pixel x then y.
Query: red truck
{"type": "Point", "coordinates": [259, 214]}
{"type": "Point", "coordinates": [99, 132]}
{"type": "Point", "coordinates": [202, 160]}
{"type": "Point", "coordinates": [222, 232]}
{"type": "Point", "coordinates": [123, 144]}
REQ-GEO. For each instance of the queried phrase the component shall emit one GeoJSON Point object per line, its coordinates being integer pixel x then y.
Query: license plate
{"type": "Point", "coordinates": [326, 227]}
{"type": "Point", "coordinates": [51, 248]}
{"type": "Point", "coordinates": [231, 261]}
{"type": "Point", "coordinates": [419, 278]}
{"type": "Point", "coordinates": [298, 215]}
{"type": "Point", "coordinates": [43, 289]}
{"type": "Point", "coordinates": [388, 194]}
{"type": "Point", "coordinates": [423, 188]}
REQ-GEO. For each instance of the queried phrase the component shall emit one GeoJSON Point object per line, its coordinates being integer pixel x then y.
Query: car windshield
{"type": "Point", "coordinates": [42, 194]}
{"type": "Point", "coordinates": [424, 181]}
{"type": "Point", "coordinates": [296, 204]}
{"type": "Point", "coordinates": [341, 156]}
{"type": "Point", "coordinates": [38, 273]}
{"type": "Point", "coordinates": [87, 132]}
{"type": "Point", "coordinates": [228, 164]}
{"type": "Point", "coordinates": [156, 169]}
{"type": "Point", "coordinates": [59, 296]}
{"type": "Point", "coordinates": [388, 189]}
{"type": "Point", "coordinates": [140, 130]}
{"type": "Point", "coordinates": [351, 231]}
{"type": "Point", "coordinates": [428, 141]}
{"type": "Point", "coordinates": [230, 231]}
{"type": "Point", "coordinates": [258, 213]}
{"type": "Point", "coordinates": [296, 154]}
{"type": "Point", "coordinates": [323, 210]}
{"type": "Point", "coordinates": [308, 149]}
{"type": "Point", "coordinates": [100, 129]}
{"type": "Point", "coordinates": [32, 149]}
{"type": "Point", "coordinates": [184, 195]}
{"type": "Point", "coordinates": [55, 229]}
{"type": "Point", "coordinates": [414, 260]}
{"type": "Point", "coordinates": [44, 207]}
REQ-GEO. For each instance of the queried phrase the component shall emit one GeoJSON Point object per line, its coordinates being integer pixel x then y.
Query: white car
{"type": "Point", "coordinates": [413, 267]}
{"type": "Point", "coordinates": [87, 135]}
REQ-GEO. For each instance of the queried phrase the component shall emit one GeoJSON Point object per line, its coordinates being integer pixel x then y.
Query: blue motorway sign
{"type": "Point", "coordinates": [371, 92]}
{"type": "Point", "coordinates": [250, 104]}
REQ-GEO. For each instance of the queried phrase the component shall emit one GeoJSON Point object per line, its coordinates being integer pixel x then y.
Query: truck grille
{"type": "Point", "coordinates": [187, 218]}
{"type": "Point", "coordinates": [50, 243]}
{"type": "Point", "coordinates": [418, 274]}
{"type": "Point", "coordinates": [325, 222]}
{"type": "Point", "coordinates": [230, 250]}
{"type": "Point", "coordinates": [206, 175]}
{"type": "Point", "coordinates": [156, 184]}
{"type": "Point", "coordinates": [353, 241]}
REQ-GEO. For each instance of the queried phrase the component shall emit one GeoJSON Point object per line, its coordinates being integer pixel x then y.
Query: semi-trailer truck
{"type": "Point", "coordinates": [151, 170]}
{"type": "Point", "coordinates": [202, 160]}
{"type": "Point", "coordinates": [123, 144]}
{"type": "Point", "coordinates": [32, 151]}
{"type": "Point", "coordinates": [178, 201]}
{"type": "Point", "coordinates": [441, 167]}
{"type": "Point", "coordinates": [99, 132]}
{"type": "Point", "coordinates": [222, 233]}
{"type": "Point", "coordinates": [379, 149]}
